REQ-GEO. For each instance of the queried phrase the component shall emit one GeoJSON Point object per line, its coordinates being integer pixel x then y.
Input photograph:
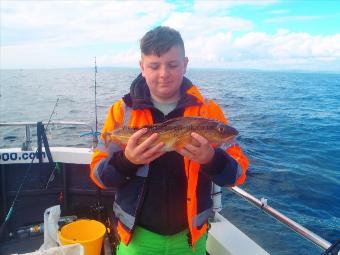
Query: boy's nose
{"type": "Point", "coordinates": [164, 71]}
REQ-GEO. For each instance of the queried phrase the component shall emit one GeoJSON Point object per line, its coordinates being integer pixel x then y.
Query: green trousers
{"type": "Point", "coordinates": [145, 242]}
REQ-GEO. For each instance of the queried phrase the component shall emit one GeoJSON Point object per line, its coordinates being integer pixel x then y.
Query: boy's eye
{"type": "Point", "coordinates": [154, 67]}
{"type": "Point", "coordinates": [173, 65]}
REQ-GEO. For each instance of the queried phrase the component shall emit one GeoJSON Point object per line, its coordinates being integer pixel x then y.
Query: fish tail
{"type": "Point", "coordinates": [106, 138]}
{"type": "Point", "coordinates": [112, 138]}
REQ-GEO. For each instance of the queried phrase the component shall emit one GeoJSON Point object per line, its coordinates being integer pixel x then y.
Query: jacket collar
{"type": "Point", "coordinates": [140, 98]}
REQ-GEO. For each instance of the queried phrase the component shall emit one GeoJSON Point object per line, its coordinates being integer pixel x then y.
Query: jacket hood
{"type": "Point", "coordinates": [139, 96]}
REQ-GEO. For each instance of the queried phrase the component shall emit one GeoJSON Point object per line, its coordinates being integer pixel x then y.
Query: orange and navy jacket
{"type": "Point", "coordinates": [130, 181]}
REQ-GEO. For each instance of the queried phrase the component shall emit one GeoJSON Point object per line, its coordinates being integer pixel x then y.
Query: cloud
{"type": "Point", "coordinates": [40, 56]}
{"type": "Point", "coordinates": [284, 49]}
{"type": "Point", "coordinates": [205, 25]}
{"type": "Point", "coordinates": [281, 11]}
{"type": "Point", "coordinates": [71, 33]}
{"type": "Point", "coordinates": [220, 7]}
{"type": "Point", "coordinates": [56, 29]}
{"type": "Point", "coordinates": [85, 22]}
{"type": "Point", "coordinates": [129, 57]}
{"type": "Point", "coordinates": [290, 18]}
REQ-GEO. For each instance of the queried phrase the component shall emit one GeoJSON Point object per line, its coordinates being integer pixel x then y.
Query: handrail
{"type": "Point", "coordinates": [27, 144]}
{"type": "Point", "coordinates": [31, 123]}
{"type": "Point", "coordinates": [262, 204]}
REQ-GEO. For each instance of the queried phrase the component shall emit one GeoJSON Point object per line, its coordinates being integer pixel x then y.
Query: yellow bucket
{"type": "Point", "coordinates": [89, 233]}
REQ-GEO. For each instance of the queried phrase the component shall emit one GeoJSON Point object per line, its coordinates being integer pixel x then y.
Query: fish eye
{"type": "Point", "coordinates": [220, 129]}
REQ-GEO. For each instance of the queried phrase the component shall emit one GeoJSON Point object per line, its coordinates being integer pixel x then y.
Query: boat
{"type": "Point", "coordinates": [34, 178]}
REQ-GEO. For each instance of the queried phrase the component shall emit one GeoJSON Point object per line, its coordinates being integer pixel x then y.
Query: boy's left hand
{"type": "Point", "coordinates": [202, 154]}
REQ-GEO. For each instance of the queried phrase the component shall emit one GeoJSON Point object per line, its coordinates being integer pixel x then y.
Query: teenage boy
{"type": "Point", "coordinates": [163, 200]}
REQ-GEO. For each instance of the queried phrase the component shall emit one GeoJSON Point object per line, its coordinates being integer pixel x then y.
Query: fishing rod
{"type": "Point", "coordinates": [95, 92]}
{"type": "Point", "coordinates": [96, 133]}
{"type": "Point", "coordinates": [11, 209]}
{"type": "Point", "coordinates": [99, 209]}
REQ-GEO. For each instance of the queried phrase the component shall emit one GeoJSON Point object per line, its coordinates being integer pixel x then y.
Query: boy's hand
{"type": "Point", "coordinates": [202, 154]}
{"type": "Point", "coordinates": [145, 152]}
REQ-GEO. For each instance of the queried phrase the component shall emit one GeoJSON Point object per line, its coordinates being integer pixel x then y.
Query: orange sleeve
{"type": "Point", "coordinates": [235, 150]}
{"type": "Point", "coordinates": [114, 119]}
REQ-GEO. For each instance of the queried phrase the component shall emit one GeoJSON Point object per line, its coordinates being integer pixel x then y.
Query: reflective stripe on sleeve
{"type": "Point", "coordinates": [225, 146]}
{"type": "Point", "coordinates": [109, 148]}
{"type": "Point", "coordinates": [101, 146]}
{"type": "Point", "coordinates": [202, 218]}
{"type": "Point", "coordinates": [143, 171]}
{"type": "Point", "coordinates": [127, 219]}
{"type": "Point", "coordinates": [96, 170]}
{"type": "Point", "coordinates": [239, 171]}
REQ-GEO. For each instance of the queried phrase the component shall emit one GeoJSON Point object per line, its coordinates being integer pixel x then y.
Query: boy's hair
{"type": "Point", "coordinates": [159, 40]}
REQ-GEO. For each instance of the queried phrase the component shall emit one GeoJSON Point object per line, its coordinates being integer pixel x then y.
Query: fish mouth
{"type": "Point", "coordinates": [232, 131]}
{"type": "Point", "coordinates": [230, 139]}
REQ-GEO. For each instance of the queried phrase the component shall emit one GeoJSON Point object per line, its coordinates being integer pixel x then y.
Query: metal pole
{"type": "Point", "coordinates": [27, 145]}
{"type": "Point", "coordinates": [216, 197]}
{"type": "Point", "coordinates": [262, 204]}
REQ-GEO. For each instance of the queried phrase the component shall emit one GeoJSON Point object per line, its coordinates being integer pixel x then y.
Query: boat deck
{"type": "Point", "coordinates": [19, 246]}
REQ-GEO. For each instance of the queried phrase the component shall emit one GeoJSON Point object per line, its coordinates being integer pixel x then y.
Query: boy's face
{"type": "Point", "coordinates": [164, 74]}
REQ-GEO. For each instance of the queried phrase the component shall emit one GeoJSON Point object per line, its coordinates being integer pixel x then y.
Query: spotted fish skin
{"type": "Point", "coordinates": [176, 133]}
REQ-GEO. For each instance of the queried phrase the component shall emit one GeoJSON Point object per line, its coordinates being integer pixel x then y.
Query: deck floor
{"type": "Point", "coordinates": [18, 246]}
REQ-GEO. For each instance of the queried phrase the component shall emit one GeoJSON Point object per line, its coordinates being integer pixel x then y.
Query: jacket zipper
{"type": "Point", "coordinates": [139, 205]}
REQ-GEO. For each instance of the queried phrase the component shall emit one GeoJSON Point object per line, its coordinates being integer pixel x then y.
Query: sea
{"type": "Point", "coordinates": [289, 125]}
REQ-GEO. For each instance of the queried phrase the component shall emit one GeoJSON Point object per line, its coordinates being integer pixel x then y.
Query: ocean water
{"type": "Point", "coordinates": [289, 126]}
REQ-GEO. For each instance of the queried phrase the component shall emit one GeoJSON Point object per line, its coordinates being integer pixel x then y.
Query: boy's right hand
{"type": "Point", "coordinates": [145, 152]}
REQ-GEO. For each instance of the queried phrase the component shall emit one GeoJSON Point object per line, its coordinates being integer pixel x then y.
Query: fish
{"type": "Point", "coordinates": [176, 133]}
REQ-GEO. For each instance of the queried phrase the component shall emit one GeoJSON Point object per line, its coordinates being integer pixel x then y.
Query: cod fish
{"type": "Point", "coordinates": [176, 133]}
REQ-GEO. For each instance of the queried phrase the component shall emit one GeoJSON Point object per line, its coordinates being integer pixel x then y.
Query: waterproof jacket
{"type": "Point", "coordinates": [136, 185]}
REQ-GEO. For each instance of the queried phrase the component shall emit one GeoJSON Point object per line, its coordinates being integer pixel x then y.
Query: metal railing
{"type": "Point", "coordinates": [31, 123]}
{"type": "Point", "coordinates": [262, 204]}
{"type": "Point", "coordinates": [27, 144]}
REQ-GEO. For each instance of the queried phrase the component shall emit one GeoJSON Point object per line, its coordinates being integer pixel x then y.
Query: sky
{"type": "Point", "coordinates": [265, 35]}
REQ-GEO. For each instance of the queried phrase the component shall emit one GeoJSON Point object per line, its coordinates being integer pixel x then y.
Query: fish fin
{"type": "Point", "coordinates": [181, 141]}
{"type": "Point", "coordinates": [167, 148]}
{"type": "Point", "coordinates": [180, 121]}
{"type": "Point", "coordinates": [228, 143]}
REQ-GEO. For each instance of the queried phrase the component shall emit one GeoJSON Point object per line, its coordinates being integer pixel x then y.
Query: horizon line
{"type": "Point", "coordinates": [188, 69]}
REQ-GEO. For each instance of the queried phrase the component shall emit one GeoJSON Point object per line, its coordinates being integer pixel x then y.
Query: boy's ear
{"type": "Point", "coordinates": [141, 67]}
{"type": "Point", "coordinates": [186, 60]}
